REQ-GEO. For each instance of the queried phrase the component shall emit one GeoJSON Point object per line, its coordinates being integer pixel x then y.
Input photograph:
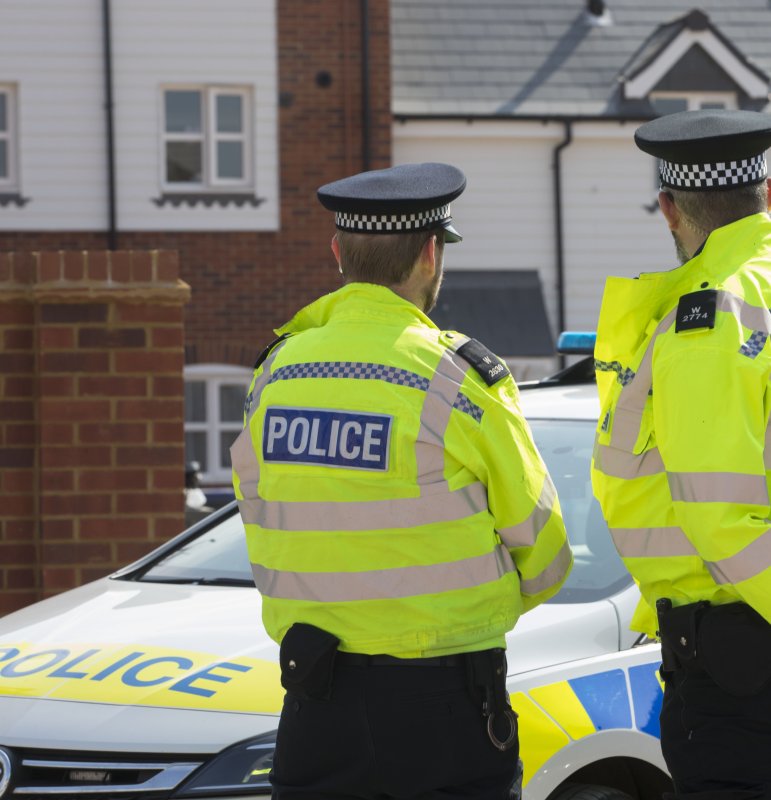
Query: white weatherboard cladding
{"type": "Point", "coordinates": [506, 214]}
{"type": "Point", "coordinates": [53, 53]}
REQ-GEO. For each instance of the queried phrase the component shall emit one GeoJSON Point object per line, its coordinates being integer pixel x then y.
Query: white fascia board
{"type": "Point", "coordinates": [511, 129]}
{"type": "Point", "coordinates": [639, 86]}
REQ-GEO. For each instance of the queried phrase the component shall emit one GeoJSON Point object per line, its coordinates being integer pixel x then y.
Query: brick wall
{"type": "Point", "coordinates": [91, 416]}
{"type": "Point", "coordinates": [245, 284]}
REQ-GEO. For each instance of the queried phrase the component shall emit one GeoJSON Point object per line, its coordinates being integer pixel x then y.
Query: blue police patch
{"type": "Point", "coordinates": [351, 439]}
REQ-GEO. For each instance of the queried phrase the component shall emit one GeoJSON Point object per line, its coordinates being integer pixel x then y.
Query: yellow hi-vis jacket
{"type": "Point", "coordinates": [683, 451]}
{"type": "Point", "coordinates": [390, 496]}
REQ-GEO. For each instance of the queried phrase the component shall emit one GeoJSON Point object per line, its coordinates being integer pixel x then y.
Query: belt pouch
{"type": "Point", "coordinates": [307, 658]}
{"type": "Point", "coordinates": [735, 648]}
{"type": "Point", "coordinates": [678, 631]}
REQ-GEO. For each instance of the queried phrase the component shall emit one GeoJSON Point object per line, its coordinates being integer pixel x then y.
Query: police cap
{"type": "Point", "coordinates": [708, 149]}
{"type": "Point", "coordinates": [401, 199]}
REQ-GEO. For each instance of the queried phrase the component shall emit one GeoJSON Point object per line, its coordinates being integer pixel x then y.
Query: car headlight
{"type": "Point", "coordinates": [241, 769]}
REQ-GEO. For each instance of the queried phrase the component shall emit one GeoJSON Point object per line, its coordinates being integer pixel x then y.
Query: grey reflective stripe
{"type": "Point", "coordinates": [746, 564]}
{"type": "Point", "coordinates": [718, 487]}
{"type": "Point", "coordinates": [524, 533]}
{"type": "Point", "coordinates": [552, 575]}
{"type": "Point", "coordinates": [627, 415]}
{"type": "Point", "coordinates": [767, 447]}
{"type": "Point", "coordinates": [752, 317]}
{"type": "Point", "coordinates": [622, 464]}
{"type": "Point", "coordinates": [242, 456]}
{"type": "Point", "coordinates": [652, 542]}
{"type": "Point", "coordinates": [406, 512]}
{"type": "Point", "coordinates": [441, 395]}
{"type": "Point", "coordinates": [379, 584]}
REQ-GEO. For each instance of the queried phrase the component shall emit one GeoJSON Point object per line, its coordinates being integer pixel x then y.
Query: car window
{"type": "Point", "coordinates": [219, 555]}
{"type": "Point", "coordinates": [566, 447]}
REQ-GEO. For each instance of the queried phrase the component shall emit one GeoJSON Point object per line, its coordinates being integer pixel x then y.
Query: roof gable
{"type": "Point", "coordinates": [672, 43]}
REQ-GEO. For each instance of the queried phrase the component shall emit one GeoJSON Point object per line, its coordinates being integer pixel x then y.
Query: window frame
{"type": "Point", "coordinates": [209, 137]}
{"type": "Point", "coordinates": [694, 100]}
{"type": "Point", "coordinates": [10, 183]}
{"type": "Point", "coordinates": [213, 376]}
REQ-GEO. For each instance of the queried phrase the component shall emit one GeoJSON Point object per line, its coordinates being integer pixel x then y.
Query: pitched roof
{"type": "Point", "coordinates": [541, 58]}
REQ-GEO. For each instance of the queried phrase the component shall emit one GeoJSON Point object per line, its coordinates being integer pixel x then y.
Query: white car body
{"type": "Point", "coordinates": [128, 687]}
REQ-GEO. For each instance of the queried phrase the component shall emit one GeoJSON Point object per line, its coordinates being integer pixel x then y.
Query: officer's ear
{"type": "Point", "coordinates": [335, 245]}
{"type": "Point", "coordinates": [428, 256]}
{"type": "Point", "coordinates": [669, 210]}
{"type": "Point", "coordinates": [768, 184]}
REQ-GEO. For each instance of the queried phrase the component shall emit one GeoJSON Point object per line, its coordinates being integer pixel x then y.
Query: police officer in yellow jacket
{"type": "Point", "coordinates": [683, 452]}
{"type": "Point", "coordinates": [399, 518]}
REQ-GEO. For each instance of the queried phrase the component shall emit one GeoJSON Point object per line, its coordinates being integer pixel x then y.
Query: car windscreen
{"type": "Point", "coordinates": [219, 556]}
{"type": "Point", "coordinates": [598, 572]}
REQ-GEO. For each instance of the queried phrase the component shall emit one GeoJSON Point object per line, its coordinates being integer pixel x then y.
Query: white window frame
{"type": "Point", "coordinates": [695, 100]}
{"type": "Point", "coordinates": [214, 376]}
{"type": "Point", "coordinates": [10, 182]}
{"type": "Point", "coordinates": [209, 137]}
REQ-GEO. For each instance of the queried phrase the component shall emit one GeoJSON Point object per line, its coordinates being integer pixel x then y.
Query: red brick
{"type": "Point", "coordinates": [57, 337]}
{"type": "Point", "coordinates": [17, 480]}
{"type": "Point", "coordinates": [167, 266]}
{"type": "Point", "coordinates": [20, 435]}
{"type": "Point", "coordinates": [56, 579]}
{"type": "Point", "coordinates": [75, 504]}
{"type": "Point", "coordinates": [167, 337]}
{"type": "Point", "coordinates": [149, 314]}
{"type": "Point", "coordinates": [119, 480]}
{"type": "Point", "coordinates": [5, 267]}
{"type": "Point", "coordinates": [58, 529]}
{"type": "Point", "coordinates": [148, 362]}
{"type": "Point", "coordinates": [113, 385]}
{"type": "Point", "coordinates": [73, 312]}
{"type": "Point", "coordinates": [74, 553]}
{"type": "Point", "coordinates": [13, 314]}
{"type": "Point", "coordinates": [18, 505]}
{"type": "Point", "coordinates": [75, 410]}
{"type": "Point", "coordinates": [57, 386]}
{"type": "Point", "coordinates": [168, 432]}
{"type": "Point", "coordinates": [50, 266]}
{"type": "Point", "coordinates": [14, 601]}
{"type": "Point", "coordinates": [17, 554]}
{"type": "Point", "coordinates": [76, 457]}
{"type": "Point", "coordinates": [120, 266]}
{"type": "Point", "coordinates": [127, 552]}
{"type": "Point", "coordinates": [113, 433]}
{"type": "Point", "coordinates": [162, 456]}
{"type": "Point", "coordinates": [75, 362]}
{"type": "Point", "coordinates": [89, 574]}
{"type": "Point", "coordinates": [116, 338]}
{"type": "Point", "coordinates": [123, 527]}
{"type": "Point", "coordinates": [18, 338]}
{"type": "Point", "coordinates": [24, 267]}
{"type": "Point", "coordinates": [17, 457]}
{"type": "Point", "coordinates": [151, 502]}
{"type": "Point", "coordinates": [168, 386]}
{"type": "Point", "coordinates": [96, 265]}
{"type": "Point", "coordinates": [150, 409]}
{"type": "Point", "coordinates": [57, 480]}
{"type": "Point", "coordinates": [19, 362]}
{"type": "Point", "coordinates": [24, 578]}
{"type": "Point", "coordinates": [166, 527]}
{"type": "Point", "coordinates": [19, 386]}
{"type": "Point", "coordinates": [141, 266]}
{"type": "Point", "coordinates": [74, 266]}
{"type": "Point", "coordinates": [17, 529]}
{"type": "Point", "coordinates": [52, 433]}
{"type": "Point", "coordinates": [17, 410]}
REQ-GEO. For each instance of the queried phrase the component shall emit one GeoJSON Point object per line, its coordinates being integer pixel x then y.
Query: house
{"type": "Point", "coordinates": [537, 102]}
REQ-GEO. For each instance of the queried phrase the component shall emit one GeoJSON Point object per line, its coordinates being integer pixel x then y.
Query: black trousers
{"type": "Point", "coordinates": [715, 743]}
{"type": "Point", "coordinates": [390, 732]}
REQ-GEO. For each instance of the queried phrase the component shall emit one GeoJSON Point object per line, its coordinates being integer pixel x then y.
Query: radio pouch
{"type": "Point", "coordinates": [307, 659]}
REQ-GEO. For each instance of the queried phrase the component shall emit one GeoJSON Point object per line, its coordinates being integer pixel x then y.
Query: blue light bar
{"type": "Point", "coordinates": [577, 342]}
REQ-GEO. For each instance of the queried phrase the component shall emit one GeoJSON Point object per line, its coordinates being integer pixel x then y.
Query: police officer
{"type": "Point", "coordinates": [398, 515]}
{"type": "Point", "coordinates": [683, 451]}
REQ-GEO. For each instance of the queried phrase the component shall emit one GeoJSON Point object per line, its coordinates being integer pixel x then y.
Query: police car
{"type": "Point", "coordinates": [159, 681]}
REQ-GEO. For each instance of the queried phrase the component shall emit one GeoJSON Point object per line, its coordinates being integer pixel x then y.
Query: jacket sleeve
{"type": "Point", "coordinates": [523, 499]}
{"type": "Point", "coordinates": [711, 412]}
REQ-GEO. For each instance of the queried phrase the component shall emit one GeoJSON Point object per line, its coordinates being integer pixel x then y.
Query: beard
{"type": "Point", "coordinates": [682, 254]}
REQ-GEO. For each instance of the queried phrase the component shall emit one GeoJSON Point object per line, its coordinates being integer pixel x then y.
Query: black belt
{"type": "Point", "coordinates": [363, 660]}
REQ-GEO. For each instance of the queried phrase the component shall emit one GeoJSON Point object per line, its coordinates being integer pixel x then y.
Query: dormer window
{"type": "Point", "coordinates": [671, 102]}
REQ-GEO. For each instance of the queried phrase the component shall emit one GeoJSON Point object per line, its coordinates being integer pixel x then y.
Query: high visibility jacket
{"type": "Point", "coordinates": [683, 451]}
{"type": "Point", "coordinates": [390, 496]}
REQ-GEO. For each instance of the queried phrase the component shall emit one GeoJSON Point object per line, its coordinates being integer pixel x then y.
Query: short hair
{"type": "Point", "coordinates": [711, 209]}
{"type": "Point", "coordinates": [383, 258]}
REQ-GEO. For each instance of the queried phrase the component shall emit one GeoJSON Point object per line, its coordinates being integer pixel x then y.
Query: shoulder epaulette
{"type": "Point", "coordinates": [490, 368]}
{"type": "Point", "coordinates": [266, 352]}
{"type": "Point", "coordinates": [696, 310]}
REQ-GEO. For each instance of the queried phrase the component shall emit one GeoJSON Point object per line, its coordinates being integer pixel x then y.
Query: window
{"type": "Point", "coordinates": [670, 102]}
{"type": "Point", "coordinates": [214, 416]}
{"type": "Point", "coordinates": [206, 139]}
{"type": "Point", "coordinates": [8, 180]}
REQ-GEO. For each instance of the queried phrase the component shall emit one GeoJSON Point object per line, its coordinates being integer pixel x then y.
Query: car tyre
{"type": "Point", "coordinates": [583, 791]}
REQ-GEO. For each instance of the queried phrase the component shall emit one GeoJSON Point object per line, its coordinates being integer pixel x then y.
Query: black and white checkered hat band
{"type": "Point", "coordinates": [392, 223]}
{"type": "Point", "coordinates": [713, 176]}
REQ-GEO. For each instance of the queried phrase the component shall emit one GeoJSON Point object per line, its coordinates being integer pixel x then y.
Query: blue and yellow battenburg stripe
{"type": "Point", "coordinates": [553, 715]}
